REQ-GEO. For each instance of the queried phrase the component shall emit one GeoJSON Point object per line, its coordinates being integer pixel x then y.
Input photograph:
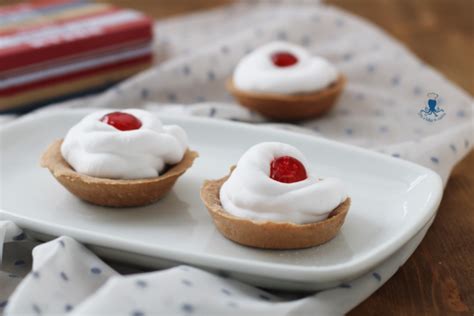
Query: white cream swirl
{"type": "Point", "coordinates": [257, 73]}
{"type": "Point", "coordinates": [97, 149]}
{"type": "Point", "coordinates": [250, 192]}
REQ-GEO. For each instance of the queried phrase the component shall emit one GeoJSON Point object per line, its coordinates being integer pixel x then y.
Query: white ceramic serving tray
{"type": "Point", "coordinates": [391, 200]}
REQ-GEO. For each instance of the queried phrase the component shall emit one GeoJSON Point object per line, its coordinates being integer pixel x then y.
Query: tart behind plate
{"type": "Point", "coordinates": [113, 192]}
{"type": "Point", "coordinates": [290, 107]}
{"type": "Point", "coordinates": [268, 234]}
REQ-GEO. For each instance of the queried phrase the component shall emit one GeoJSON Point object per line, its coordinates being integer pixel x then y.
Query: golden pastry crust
{"type": "Point", "coordinates": [290, 107]}
{"type": "Point", "coordinates": [112, 192]}
{"type": "Point", "coordinates": [268, 234]}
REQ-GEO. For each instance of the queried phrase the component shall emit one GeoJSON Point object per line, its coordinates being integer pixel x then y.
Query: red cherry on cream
{"type": "Point", "coordinates": [122, 121]}
{"type": "Point", "coordinates": [284, 59]}
{"type": "Point", "coordinates": [287, 169]}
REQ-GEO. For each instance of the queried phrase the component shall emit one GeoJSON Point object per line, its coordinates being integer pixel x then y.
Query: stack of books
{"type": "Point", "coordinates": [55, 49]}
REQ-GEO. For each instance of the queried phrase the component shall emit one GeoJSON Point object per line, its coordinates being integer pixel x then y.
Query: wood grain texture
{"type": "Point", "coordinates": [439, 278]}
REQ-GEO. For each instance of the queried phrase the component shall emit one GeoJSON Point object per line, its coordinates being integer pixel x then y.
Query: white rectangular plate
{"type": "Point", "coordinates": [391, 200]}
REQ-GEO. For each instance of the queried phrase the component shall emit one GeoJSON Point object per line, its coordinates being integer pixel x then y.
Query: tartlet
{"type": "Point", "coordinates": [269, 234]}
{"type": "Point", "coordinates": [286, 82]}
{"type": "Point", "coordinates": [290, 107]}
{"type": "Point", "coordinates": [113, 192]}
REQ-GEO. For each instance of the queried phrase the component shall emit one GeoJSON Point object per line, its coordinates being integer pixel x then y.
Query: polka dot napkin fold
{"type": "Point", "coordinates": [385, 107]}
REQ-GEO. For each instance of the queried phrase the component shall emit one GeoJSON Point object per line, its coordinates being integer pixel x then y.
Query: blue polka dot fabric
{"type": "Point", "coordinates": [68, 279]}
{"type": "Point", "coordinates": [387, 106]}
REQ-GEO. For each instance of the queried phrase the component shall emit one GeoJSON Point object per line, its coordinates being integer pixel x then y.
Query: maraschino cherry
{"type": "Point", "coordinates": [284, 59]}
{"type": "Point", "coordinates": [287, 169]}
{"type": "Point", "coordinates": [122, 121]}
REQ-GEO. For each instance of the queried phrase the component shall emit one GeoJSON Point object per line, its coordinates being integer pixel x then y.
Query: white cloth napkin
{"type": "Point", "coordinates": [387, 88]}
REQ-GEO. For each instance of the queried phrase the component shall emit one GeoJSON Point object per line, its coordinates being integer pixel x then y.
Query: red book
{"type": "Point", "coordinates": [84, 29]}
{"type": "Point", "coordinates": [75, 75]}
{"type": "Point", "coordinates": [50, 49]}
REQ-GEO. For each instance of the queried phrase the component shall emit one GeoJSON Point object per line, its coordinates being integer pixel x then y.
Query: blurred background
{"type": "Point", "coordinates": [440, 32]}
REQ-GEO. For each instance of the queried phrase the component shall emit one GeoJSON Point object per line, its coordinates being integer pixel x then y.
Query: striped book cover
{"type": "Point", "coordinates": [55, 48]}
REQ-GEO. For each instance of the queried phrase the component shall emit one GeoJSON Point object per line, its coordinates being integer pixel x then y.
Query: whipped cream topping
{"type": "Point", "coordinates": [257, 73]}
{"type": "Point", "coordinates": [250, 192]}
{"type": "Point", "coordinates": [100, 150]}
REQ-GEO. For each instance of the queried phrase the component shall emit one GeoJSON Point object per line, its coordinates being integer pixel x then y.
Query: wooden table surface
{"type": "Point", "coordinates": [439, 278]}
